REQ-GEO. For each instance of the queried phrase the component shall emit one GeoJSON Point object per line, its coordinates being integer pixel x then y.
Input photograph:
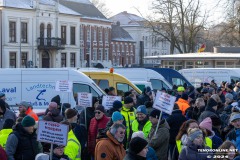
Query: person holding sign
{"type": "Point", "coordinates": [159, 141]}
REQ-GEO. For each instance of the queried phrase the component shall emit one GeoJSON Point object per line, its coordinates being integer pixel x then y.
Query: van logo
{"type": "Point", "coordinates": [41, 92]}
{"type": "Point", "coordinates": [9, 90]}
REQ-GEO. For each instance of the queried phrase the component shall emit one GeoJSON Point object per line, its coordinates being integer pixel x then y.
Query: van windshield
{"type": "Point", "coordinates": [122, 88]}
{"type": "Point", "coordinates": [178, 81]}
{"type": "Point", "coordinates": [77, 87]}
{"type": "Point", "coordinates": [158, 84]}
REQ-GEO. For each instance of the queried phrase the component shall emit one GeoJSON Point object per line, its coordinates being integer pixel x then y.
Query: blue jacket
{"type": "Point", "coordinates": [151, 154]}
{"type": "Point", "coordinates": [216, 142]}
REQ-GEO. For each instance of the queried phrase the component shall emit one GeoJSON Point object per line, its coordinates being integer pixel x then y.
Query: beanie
{"type": "Point", "coordinates": [117, 104]}
{"type": "Point", "coordinates": [100, 108]}
{"type": "Point", "coordinates": [2, 95]}
{"type": "Point", "coordinates": [56, 99]}
{"type": "Point", "coordinates": [229, 95]}
{"type": "Point", "coordinates": [128, 100]}
{"type": "Point", "coordinates": [137, 144]}
{"type": "Point", "coordinates": [142, 109]}
{"type": "Point", "coordinates": [42, 156]}
{"type": "Point", "coordinates": [70, 113]}
{"type": "Point", "coordinates": [195, 134]}
{"type": "Point", "coordinates": [8, 124]}
{"type": "Point", "coordinates": [155, 113]}
{"type": "Point", "coordinates": [52, 105]}
{"type": "Point", "coordinates": [28, 121]}
{"type": "Point", "coordinates": [206, 124]}
{"type": "Point", "coordinates": [184, 96]}
{"type": "Point", "coordinates": [211, 103]}
{"type": "Point", "coordinates": [116, 116]}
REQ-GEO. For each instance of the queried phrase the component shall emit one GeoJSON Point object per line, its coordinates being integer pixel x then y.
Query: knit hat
{"type": "Point", "coordinates": [56, 99]}
{"type": "Point", "coordinates": [8, 124]}
{"type": "Point", "coordinates": [234, 116]}
{"type": "Point", "coordinates": [211, 103]}
{"type": "Point", "coordinates": [2, 95]}
{"type": "Point", "coordinates": [155, 113]}
{"type": "Point", "coordinates": [2, 104]}
{"type": "Point", "coordinates": [180, 89]}
{"type": "Point", "coordinates": [100, 108]}
{"type": "Point", "coordinates": [116, 116]}
{"type": "Point", "coordinates": [195, 134]}
{"type": "Point", "coordinates": [128, 100]}
{"type": "Point", "coordinates": [184, 96]}
{"type": "Point", "coordinates": [138, 134]}
{"type": "Point", "coordinates": [229, 95]}
{"type": "Point", "coordinates": [137, 144]}
{"type": "Point", "coordinates": [28, 121]}
{"type": "Point", "coordinates": [206, 124]}
{"type": "Point", "coordinates": [70, 113]}
{"type": "Point", "coordinates": [142, 109]}
{"type": "Point", "coordinates": [117, 104]}
{"type": "Point", "coordinates": [52, 105]}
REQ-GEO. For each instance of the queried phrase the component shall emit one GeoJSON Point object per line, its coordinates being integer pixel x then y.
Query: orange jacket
{"type": "Point", "coordinates": [32, 114]}
{"type": "Point", "coordinates": [183, 105]}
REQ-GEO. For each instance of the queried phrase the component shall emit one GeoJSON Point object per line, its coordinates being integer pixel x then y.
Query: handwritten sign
{"type": "Point", "coordinates": [52, 132]}
{"type": "Point", "coordinates": [107, 101]}
{"type": "Point", "coordinates": [64, 86]}
{"type": "Point", "coordinates": [85, 99]}
{"type": "Point", "coordinates": [164, 102]}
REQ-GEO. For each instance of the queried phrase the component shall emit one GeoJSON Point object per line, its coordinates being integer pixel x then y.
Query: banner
{"type": "Point", "coordinates": [85, 99]}
{"type": "Point", "coordinates": [107, 101]}
{"type": "Point", "coordinates": [64, 86]}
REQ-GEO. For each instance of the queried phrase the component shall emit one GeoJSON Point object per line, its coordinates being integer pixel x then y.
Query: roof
{"type": "Point", "coordinates": [83, 7]}
{"type": "Point", "coordinates": [119, 34]}
{"type": "Point", "coordinates": [203, 55]}
{"type": "Point", "coordinates": [127, 19]}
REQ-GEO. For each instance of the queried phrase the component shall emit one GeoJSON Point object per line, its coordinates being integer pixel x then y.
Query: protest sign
{"type": "Point", "coordinates": [64, 86]}
{"type": "Point", "coordinates": [52, 132]}
{"type": "Point", "coordinates": [85, 99]}
{"type": "Point", "coordinates": [164, 102]}
{"type": "Point", "coordinates": [107, 101]}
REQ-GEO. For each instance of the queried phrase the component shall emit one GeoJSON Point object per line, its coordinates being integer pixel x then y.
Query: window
{"type": "Point", "coordinates": [23, 32]}
{"type": "Point", "coordinates": [12, 60]}
{"type": "Point", "coordinates": [64, 34]}
{"type": "Point", "coordinates": [94, 55]}
{"type": "Point", "coordinates": [100, 35]}
{"type": "Point", "coordinates": [81, 33]}
{"type": "Point", "coordinates": [178, 81]}
{"type": "Point", "coordinates": [122, 88]}
{"type": "Point", "coordinates": [42, 30]}
{"type": "Point", "coordinates": [102, 83]}
{"type": "Point", "coordinates": [12, 31]}
{"type": "Point", "coordinates": [100, 54]}
{"type": "Point", "coordinates": [24, 58]}
{"type": "Point", "coordinates": [49, 30]}
{"type": "Point", "coordinates": [123, 49]}
{"type": "Point", "coordinates": [63, 60]}
{"type": "Point", "coordinates": [106, 54]}
{"type": "Point", "coordinates": [158, 84]}
{"type": "Point", "coordinates": [131, 48]}
{"type": "Point", "coordinates": [131, 60]}
{"type": "Point", "coordinates": [106, 35]}
{"type": "Point", "coordinates": [126, 48]}
{"type": "Point", "coordinates": [113, 47]}
{"type": "Point", "coordinates": [127, 60]}
{"type": "Point", "coordinates": [118, 48]}
{"type": "Point", "coordinates": [72, 59]}
{"type": "Point", "coordinates": [164, 44]}
{"type": "Point", "coordinates": [73, 42]}
{"type": "Point", "coordinates": [94, 35]}
{"type": "Point", "coordinates": [77, 87]}
{"type": "Point", "coordinates": [88, 35]}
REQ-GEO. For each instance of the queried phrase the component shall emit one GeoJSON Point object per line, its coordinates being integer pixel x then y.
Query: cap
{"type": "Point", "coordinates": [24, 103]}
{"type": "Point", "coordinates": [180, 89]}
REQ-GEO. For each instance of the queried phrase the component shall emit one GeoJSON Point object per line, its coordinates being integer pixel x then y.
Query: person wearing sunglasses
{"type": "Point", "coordinates": [99, 122]}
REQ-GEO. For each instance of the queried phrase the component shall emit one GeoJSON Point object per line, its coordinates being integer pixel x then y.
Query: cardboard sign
{"type": "Point", "coordinates": [64, 86]}
{"type": "Point", "coordinates": [52, 132]}
{"type": "Point", "coordinates": [85, 99]}
{"type": "Point", "coordinates": [164, 102]}
{"type": "Point", "coordinates": [107, 101]}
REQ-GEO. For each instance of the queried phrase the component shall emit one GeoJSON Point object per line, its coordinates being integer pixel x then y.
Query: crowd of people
{"type": "Point", "coordinates": [204, 124]}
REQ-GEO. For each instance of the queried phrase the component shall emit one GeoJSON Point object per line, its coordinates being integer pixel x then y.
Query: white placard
{"type": "Point", "coordinates": [64, 86]}
{"type": "Point", "coordinates": [164, 102]}
{"type": "Point", "coordinates": [85, 99]}
{"type": "Point", "coordinates": [52, 132]}
{"type": "Point", "coordinates": [107, 101]}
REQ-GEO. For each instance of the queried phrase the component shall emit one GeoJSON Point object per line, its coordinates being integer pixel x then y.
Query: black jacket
{"type": "Point", "coordinates": [132, 156]}
{"type": "Point", "coordinates": [55, 157]}
{"type": "Point", "coordinates": [175, 121]}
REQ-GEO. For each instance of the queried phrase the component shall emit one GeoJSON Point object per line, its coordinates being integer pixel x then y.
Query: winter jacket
{"type": "Point", "coordinates": [55, 157]}
{"type": "Point", "coordinates": [54, 116]}
{"type": "Point", "coordinates": [175, 121]}
{"type": "Point", "coordinates": [191, 152]}
{"type": "Point", "coordinates": [30, 112]}
{"type": "Point", "coordinates": [151, 154]}
{"type": "Point", "coordinates": [183, 105]}
{"type": "Point", "coordinates": [22, 145]}
{"type": "Point", "coordinates": [160, 142]}
{"type": "Point", "coordinates": [90, 114]}
{"type": "Point", "coordinates": [3, 154]}
{"type": "Point", "coordinates": [109, 148]}
{"type": "Point", "coordinates": [142, 99]}
{"type": "Point", "coordinates": [132, 156]}
{"type": "Point", "coordinates": [207, 113]}
{"type": "Point", "coordinates": [95, 125]}
{"type": "Point", "coordinates": [144, 126]}
{"type": "Point", "coordinates": [73, 148]}
{"type": "Point", "coordinates": [4, 133]}
{"type": "Point", "coordinates": [7, 115]}
{"type": "Point", "coordinates": [81, 133]}
{"type": "Point", "coordinates": [216, 141]}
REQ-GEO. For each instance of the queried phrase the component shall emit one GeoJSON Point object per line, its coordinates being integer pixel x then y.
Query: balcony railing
{"type": "Point", "coordinates": [50, 43]}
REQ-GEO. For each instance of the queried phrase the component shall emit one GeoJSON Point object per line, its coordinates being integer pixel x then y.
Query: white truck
{"type": "Point", "coordinates": [37, 86]}
{"type": "Point", "coordinates": [200, 75]}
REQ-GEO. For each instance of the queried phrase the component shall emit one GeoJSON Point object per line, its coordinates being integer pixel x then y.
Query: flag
{"type": "Point", "coordinates": [202, 48]}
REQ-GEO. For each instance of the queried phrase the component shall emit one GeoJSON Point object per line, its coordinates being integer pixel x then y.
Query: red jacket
{"type": "Point", "coordinates": [94, 126]}
{"type": "Point", "coordinates": [3, 155]}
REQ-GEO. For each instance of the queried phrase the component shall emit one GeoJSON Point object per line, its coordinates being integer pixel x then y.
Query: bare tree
{"type": "Point", "coordinates": [101, 6]}
{"type": "Point", "coordinates": [179, 22]}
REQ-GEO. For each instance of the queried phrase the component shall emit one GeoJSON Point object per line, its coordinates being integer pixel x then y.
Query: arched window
{"type": "Point", "coordinates": [49, 29]}
{"type": "Point", "coordinates": [42, 30]}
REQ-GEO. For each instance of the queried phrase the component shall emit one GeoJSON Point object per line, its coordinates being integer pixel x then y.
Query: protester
{"type": "Point", "coordinates": [159, 142]}
{"type": "Point", "coordinates": [117, 106]}
{"type": "Point", "coordinates": [210, 110]}
{"type": "Point", "coordinates": [58, 153]}
{"type": "Point", "coordinates": [4, 133]}
{"type": "Point", "coordinates": [3, 97]}
{"type": "Point", "coordinates": [26, 109]}
{"type": "Point", "coordinates": [145, 96]}
{"type": "Point", "coordinates": [229, 154]}
{"type": "Point", "coordinates": [180, 91]}
{"type": "Point", "coordinates": [5, 114]}
{"type": "Point", "coordinates": [137, 149]}
{"type": "Point", "coordinates": [112, 92]}
{"type": "Point", "coordinates": [142, 123]}
{"type": "Point", "coordinates": [183, 103]}
{"type": "Point", "coordinates": [22, 143]}
{"type": "Point", "coordinates": [53, 113]}
{"type": "Point", "coordinates": [111, 147]}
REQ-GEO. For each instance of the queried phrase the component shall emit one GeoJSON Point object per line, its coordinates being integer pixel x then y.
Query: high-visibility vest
{"type": "Point", "coordinates": [146, 128]}
{"type": "Point", "coordinates": [73, 148]}
{"type": "Point", "coordinates": [4, 133]}
{"type": "Point", "coordinates": [208, 142]}
{"type": "Point", "coordinates": [129, 116]}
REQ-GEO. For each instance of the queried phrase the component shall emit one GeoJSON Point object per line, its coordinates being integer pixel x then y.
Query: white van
{"type": "Point", "coordinates": [200, 75]}
{"type": "Point", "coordinates": [142, 74]}
{"type": "Point", "coordinates": [37, 86]}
